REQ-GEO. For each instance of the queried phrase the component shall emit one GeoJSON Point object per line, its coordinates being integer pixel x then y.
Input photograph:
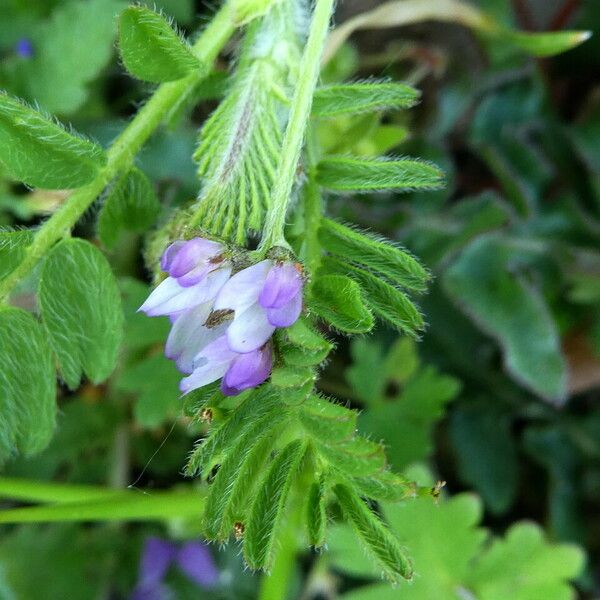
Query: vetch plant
{"type": "Point", "coordinates": [254, 276]}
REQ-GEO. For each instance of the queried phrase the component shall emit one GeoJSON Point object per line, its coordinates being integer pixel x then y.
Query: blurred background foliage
{"type": "Point", "coordinates": [500, 399]}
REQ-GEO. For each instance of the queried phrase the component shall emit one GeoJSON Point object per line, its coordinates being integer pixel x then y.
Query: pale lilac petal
{"type": "Point", "coordinates": [158, 555]}
{"type": "Point", "coordinates": [196, 275]}
{"type": "Point", "coordinates": [192, 254]}
{"type": "Point", "coordinates": [169, 297]}
{"type": "Point", "coordinates": [189, 336]}
{"type": "Point", "coordinates": [286, 315]}
{"type": "Point", "coordinates": [247, 370]}
{"type": "Point", "coordinates": [249, 330]}
{"type": "Point", "coordinates": [281, 285]}
{"type": "Point", "coordinates": [196, 561]}
{"type": "Point", "coordinates": [210, 364]}
{"type": "Point", "coordinates": [169, 254]}
{"type": "Point", "coordinates": [243, 289]}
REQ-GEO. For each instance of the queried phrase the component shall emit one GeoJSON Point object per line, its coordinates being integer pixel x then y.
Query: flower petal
{"type": "Point", "coordinates": [249, 330]}
{"type": "Point", "coordinates": [156, 558]}
{"type": "Point", "coordinates": [196, 561]}
{"type": "Point", "coordinates": [243, 289]}
{"type": "Point", "coordinates": [193, 253]}
{"type": "Point", "coordinates": [286, 315]}
{"type": "Point", "coordinates": [210, 364]}
{"type": "Point", "coordinates": [247, 370]}
{"type": "Point", "coordinates": [169, 297]}
{"type": "Point", "coordinates": [169, 254]}
{"type": "Point", "coordinates": [189, 336]}
{"type": "Point", "coordinates": [282, 283]}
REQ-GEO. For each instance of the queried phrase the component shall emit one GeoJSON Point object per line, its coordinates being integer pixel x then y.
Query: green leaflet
{"type": "Point", "coordinates": [40, 152]}
{"type": "Point", "coordinates": [268, 506]}
{"type": "Point", "coordinates": [71, 49]}
{"type": "Point", "coordinates": [229, 473]}
{"type": "Point", "coordinates": [385, 486]}
{"type": "Point", "coordinates": [387, 302]}
{"type": "Point", "coordinates": [12, 249]}
{"type": "Point", "coordinates": [81, 310]}
{"type": "Point", "coordinates": [131, 205]}
{"type": "Point", "coordinates": [327, 421]}
{"type": "Point", "coordinates": [362, 96]}
{"type": "Point", "coordinates": [27, 385]}
{"type": "Point", "coordinates": [357, 456]}
{"type": "Point", "coordinates": [375, 535]}
{"type": "Point", "coordinates": [306, 347]}
{"type": "Point", "coordinates": [510, 309]}
{"type": "Point", "coordinates": [545, 43]}
{"type": "Point", "coordinates": [150, 49]}
{"type": "Point", "coordinates": [338, 300]}
{"type": "Point", "coordinates": [316, 515]}
{"type": "Point", "coordinates": [376, 254]}
{"type": "Point", "coordinates": [347, 174]}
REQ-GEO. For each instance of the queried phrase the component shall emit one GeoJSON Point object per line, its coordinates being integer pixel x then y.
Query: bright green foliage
{"type": "Point", "coordinates": [326, 420]}
{"type": "Point", "coordinates": [356, 457]}
{"type": "Point", "coordinates": [546, 44]}
{"type": "Point", "coordinates": [401, 406]}
{"type": "Point", "coordinates": [150, 49]}
{"type": "Point", "coordinates": [387, 302]}
{"type": "Point", "coordinates": [12, 247]}
{"type": "Point", "coordinates": [316, 515]}
{"type": "Point", "coordinates": [40, 152]}
{"type": "Point", "coordinates": [154, 380]}
{"type": "Point", "coordinates": [268, 506]}
{"type": "Point", "coordinates": [377, 538]}
{"type": "Point", "coordinates": [71, 49]}
{"type": "Point", "coordinates": [385, 486]}
{"type": "Point", "coordinates": [347, 174]}
{"type": "Point", "coordinates": [509, 308]}
{"type": "Point", "coordinates": [81, 310]}
{"type": "Point", "coordinates": [362, 96]}
{"type": "Point", "coordinates": [302, 346]}
{"type": "Point", "coordinates": [376, 254]}
{"type": "Point", "coordinates": [337, 299]}
{"type": "Point", "coordinates": [294, 382]}
{"type": "Point", "coordinates": [246, 10]}
{"type": "Point", "coordinates": [237, 163]}
{"type": "Point", "coordinates": [131, 205]}
{"type": "Point", "coordinates": [27, 385]}
{"type": "Point", "coordinates": [486, 454]}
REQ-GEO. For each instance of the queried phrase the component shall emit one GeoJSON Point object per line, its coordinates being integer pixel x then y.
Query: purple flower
{"type": "Point", "coordinates": [24, 48]}
{"type": "Point", "coordinates": [193, 559]}
{"type": "Point", "coordinates": [263, 297]}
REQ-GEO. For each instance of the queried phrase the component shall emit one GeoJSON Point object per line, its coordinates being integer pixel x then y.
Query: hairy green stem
{"type": "Point", "coordinates": [121, 154]}
{"type": "Point", "coordinates": [273, 234]}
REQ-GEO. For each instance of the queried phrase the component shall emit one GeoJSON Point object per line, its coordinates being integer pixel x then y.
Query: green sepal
{"type": "Point", "coordinates": [40, 152]}
{"type": "Point", "coordinates": [337, 299]}
{"type": "Point", "coordinates": [150, 49]}
{"type": "Point", "coordinates": [348, 174]}
{"type": "Point", "coordinates": [375, 535]}
{"type": "Point", "coordinates": [362, 96]}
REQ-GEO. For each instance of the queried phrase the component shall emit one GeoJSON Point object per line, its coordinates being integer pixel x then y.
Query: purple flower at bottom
{"type": "Point", "coordinates": [193, 559]}
{"type": "Point", "coordinates": [24, 48]}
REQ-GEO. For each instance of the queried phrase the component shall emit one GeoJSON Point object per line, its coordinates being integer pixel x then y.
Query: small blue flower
{"type": "Point", "coordinates": [192, 558]}
{"type": "Point", "coordinates": [24, 48]}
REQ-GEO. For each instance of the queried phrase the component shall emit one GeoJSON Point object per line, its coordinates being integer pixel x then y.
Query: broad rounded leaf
{"type": "Point", "coordinates": [27, 385]}
{"type": "Point", "coordinates": [151, 50]}
{"type": "Point", "coordinates": [41, 153]}
{"type": "Point", "coordinates": [81, 309]}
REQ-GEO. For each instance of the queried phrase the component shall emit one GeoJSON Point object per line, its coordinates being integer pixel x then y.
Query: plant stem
{"type": "Point", "coordinates": [273, 234]}
{"type": "Point", "coordinates": [121, 154]}
{"type": "Point", "coordinates": [313, 208]}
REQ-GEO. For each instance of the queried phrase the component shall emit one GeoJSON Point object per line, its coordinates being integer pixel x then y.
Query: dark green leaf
{"type": "Point", "coordinates": [40, 152]}
{"type": "Point", "coordinates": [81, 310]}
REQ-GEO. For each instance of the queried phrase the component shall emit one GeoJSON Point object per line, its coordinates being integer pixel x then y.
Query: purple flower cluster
{"type": "Point", "coordinates": [223, 323]}
{"type": "Point", "coordinates": [192, 558]}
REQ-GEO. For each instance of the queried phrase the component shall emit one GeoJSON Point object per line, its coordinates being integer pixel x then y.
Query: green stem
{"type": "Point", "coordinates": [294, 135]}
{"type": "Point", "coordinates": [313, 209]}
{"type": "Point", "coordinates": [121, 154]}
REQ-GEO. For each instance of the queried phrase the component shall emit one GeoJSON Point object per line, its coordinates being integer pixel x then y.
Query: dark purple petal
{"type": "Point", "coordinates": [282, 283]}
{"type": "Point", "coordinates": [195, 253]}
{"type": "Point", "coordinates": [196, 561]}
{"type": "Point", "coordinates": [156, 558]}
{"type": "Point", "coordinates": [286, 315]}
{"type": "Point", "coordinates": [247, 370]}
{"type": "Point", "coordinates": [169, 254]}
